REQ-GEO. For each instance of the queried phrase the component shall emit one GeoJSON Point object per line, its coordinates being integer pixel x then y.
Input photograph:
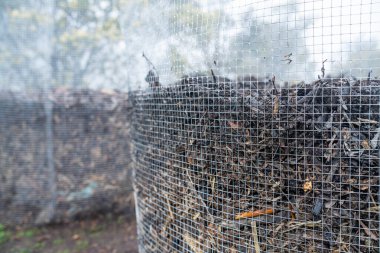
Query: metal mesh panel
{"type": "Point", "coordinates": [64, 122]}
{"type": "Point", "coordinates": [259, 131]}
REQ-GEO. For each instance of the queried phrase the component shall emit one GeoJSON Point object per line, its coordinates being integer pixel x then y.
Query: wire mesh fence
{"type": "Point", "coordinates": [64, 119]}
{"type": "Point", "coordinates": [76, 164]}
{"type": "Point", "coordinates": [259, 131]}
{"type": "Point", "coordinates": [256, 128]}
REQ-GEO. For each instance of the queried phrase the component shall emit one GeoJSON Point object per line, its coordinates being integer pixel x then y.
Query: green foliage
{"type": "Point", "coordinates": [120, 220]}
{"type": "Point", "coordinates": [64, 251]}
{"type": "Point", "coordinates": [39, 245]}
{"type": "Point", "coordinates": [29, 233]}
{"type": "Point", "coordinates": [57, 242]}
{"type": "Point", "coordinates": [4, 234]}
{"type": "Point", "coordinates": [23, 250]}
{"type": "Point", "coordinates": [81, 245]}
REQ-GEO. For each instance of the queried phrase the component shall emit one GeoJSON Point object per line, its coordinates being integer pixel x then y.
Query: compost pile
{"type": "Point", "coordinates": [63, 154]}
{"type": "Point", "coordinates": [227, 166]}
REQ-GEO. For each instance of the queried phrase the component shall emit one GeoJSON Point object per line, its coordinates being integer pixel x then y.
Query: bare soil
{"type": "Point", "coordinates": [102, 234]}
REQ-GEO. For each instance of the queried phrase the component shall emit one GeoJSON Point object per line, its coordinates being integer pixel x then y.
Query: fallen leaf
{"type": "Point", "coordinates": [75, 237]}
{"type": "Point", "coordinates": [233, 250]}
{"type": "Point", "coordinates": [351, 181]}
{"type": "Point", "coordinates": [365, 145]}
{"type": "Point", "coordinates": [307, 186]}
{"type": "Point", "coordinates": [190, 160]}
{"type": "Point", "coordinates": [330, 204]}
{"type": "Point", "coordinates": [43, 238]}
{"type": "Point", "coordinates": [233, 125]}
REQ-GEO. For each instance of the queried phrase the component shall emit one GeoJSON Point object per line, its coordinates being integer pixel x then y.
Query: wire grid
{"type": "Point", "coordinates": [272, 146]}
{"type": "Point", "coordinates": [64, 141]}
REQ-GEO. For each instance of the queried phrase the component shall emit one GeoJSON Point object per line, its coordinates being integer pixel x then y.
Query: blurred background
{"type": "Point", "coordinates": [65, 154]}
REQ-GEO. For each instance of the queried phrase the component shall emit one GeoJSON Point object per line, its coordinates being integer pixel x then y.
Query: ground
{"type": "Point", "coordinates": [102, 234]}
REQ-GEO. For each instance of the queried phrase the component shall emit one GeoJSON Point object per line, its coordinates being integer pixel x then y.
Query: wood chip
{"type": "Point", "coordinates": [255, 238]}
{"type": "Point", "coordinates": [251, 214]}
{"type": "Point", "coordinates": [373, 209]}
{"type": "Point", "coordinates": [276, 105]}
{"type": "Point", "coordinates": [367, 121]}
{"type": "Point", "coordinates": [193, 243]}
{"type": "Point", "coordinates": [196, 216]}
{"type": "Point", "coordinates": [169, 207]}
{"type": "Point", "coordinates": [368, 231]}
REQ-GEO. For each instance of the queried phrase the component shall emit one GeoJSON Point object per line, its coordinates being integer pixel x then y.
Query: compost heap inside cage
{"type": "Point", "coordinates": [228, 166]}
{"type": "Point", "coordinates": [80, 169]}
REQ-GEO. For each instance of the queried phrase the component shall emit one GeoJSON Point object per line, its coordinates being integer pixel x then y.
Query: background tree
{"type": "Point", "coordinates": [76, 43]}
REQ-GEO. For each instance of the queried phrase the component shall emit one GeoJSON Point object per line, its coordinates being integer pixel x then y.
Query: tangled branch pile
{"type": "Point", "coordinates": [227, 166]}
{"type": "Point", "coordinates": [63, 155]}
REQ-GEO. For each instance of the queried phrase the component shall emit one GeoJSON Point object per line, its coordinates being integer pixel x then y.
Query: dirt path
{"type": "Point", "coordinates": [105, 234]}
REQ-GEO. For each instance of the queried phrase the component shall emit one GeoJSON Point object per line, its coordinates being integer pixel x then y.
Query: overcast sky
{"type": "Point", "coordinates": [336, 27]}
